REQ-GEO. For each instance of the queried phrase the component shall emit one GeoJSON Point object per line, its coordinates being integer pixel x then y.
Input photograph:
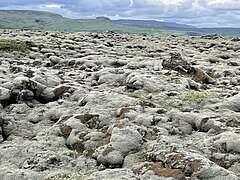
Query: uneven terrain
{"type": "Point", "coordinates": [92, 106]}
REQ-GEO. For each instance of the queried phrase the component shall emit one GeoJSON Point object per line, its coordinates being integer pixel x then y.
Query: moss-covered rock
{"type": "Point", "coordinates": [7, 45]}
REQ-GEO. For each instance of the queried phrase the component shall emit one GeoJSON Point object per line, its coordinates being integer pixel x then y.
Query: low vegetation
{"type": "Point", "coordinates": [195, 96]}
{"type": "Point", "coordinates": [75, 176]}
{"type": "Point", "coordinates": [72, 153]}
{"type": "Point", "coordinates": [7, 45]}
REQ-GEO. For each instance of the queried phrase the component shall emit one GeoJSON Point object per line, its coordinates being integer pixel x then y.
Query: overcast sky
{"type": "Point", "coordinates": [199, 13]}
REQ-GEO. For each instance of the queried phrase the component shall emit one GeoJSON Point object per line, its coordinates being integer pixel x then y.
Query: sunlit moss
{"type": "Point", "coordinates": [195, 96]}
{"type": "Point", "coordinates": [7, 45]}
{"type": "Point", "coordinates": [74, 176]}
{"type": "Point", "coordinates": [73, 154]}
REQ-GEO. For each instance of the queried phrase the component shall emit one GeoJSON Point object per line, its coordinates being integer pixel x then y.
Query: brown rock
{"type": "Point", "coordinates": [91, 120]}
{"type": "Point", "coordinates": [195, 166]}
{"type": "Point", "coordinates": [107, 150]}
{"type": "Point", "coordinates": [202, 77]}
{"type": "Point", "coordinates": [90, 152]}
{"type": "Point", "coordinates": [137, 170]}
{"type": "Point", "coordinates": [123, 111]}
{"type": "Point", "coordinates": [65, 130]}
{"type": "Point", "coordinates": [104, 129]}
{"type": "Point", "coordinates": [79, 147]}
{"type": "Point", "coordinates": [168, 172]}
{"type": "Point", "coordinates": [82, 135]}
{"type": "Point", "coordinates": [177, 63]}
{"type": "Point", "coordinates": [106, 140]}
{"type": "Point", "coordinates": [59, 91]}
{"type": "Point", "coordinates": [121, 125]}
{"type": "Point", "coordinates": [220, 162]}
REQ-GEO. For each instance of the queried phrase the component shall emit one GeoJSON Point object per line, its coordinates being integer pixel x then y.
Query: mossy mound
{"type": "Point", "coordinates": [7, 45]}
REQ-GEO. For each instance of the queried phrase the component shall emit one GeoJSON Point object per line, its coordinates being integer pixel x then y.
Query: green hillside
{"type": "Point", "coordinates": [37, 20]}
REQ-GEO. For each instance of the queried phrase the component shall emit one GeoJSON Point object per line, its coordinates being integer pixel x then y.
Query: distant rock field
{"type": "Point", "coordinates": [114, 106]}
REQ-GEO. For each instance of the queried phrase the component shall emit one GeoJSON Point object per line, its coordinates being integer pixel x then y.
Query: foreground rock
{"type": "Point", "coordinates": [119, 106]}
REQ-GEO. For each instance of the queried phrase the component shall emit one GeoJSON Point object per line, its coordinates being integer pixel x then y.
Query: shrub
{"type": "Point", "coordinates": [195, 96]}
{"type": "Point", "coordinates": [7, 45]}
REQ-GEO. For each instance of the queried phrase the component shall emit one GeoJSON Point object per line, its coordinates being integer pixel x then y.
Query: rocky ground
{"type": "Point", "coordinates": [90, 106]}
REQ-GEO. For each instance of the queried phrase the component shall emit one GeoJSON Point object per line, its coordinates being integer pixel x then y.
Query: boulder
{"type": "Point", "coordinates": [126, 140]}
{"type": "Point", "coordinates": [108, 156]}
{"type": "Point", "coordinates": [110, 174]}
{"type": "Point", "coordinates": [232, 103]}
{"type": "Point", "coordinates": [5, 96]}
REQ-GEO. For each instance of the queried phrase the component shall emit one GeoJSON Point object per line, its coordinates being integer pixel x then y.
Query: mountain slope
{"type": "Point", "coordinates": [152, 23]}
{"type": "Point", "coordinates": [27, 19]}
{"type": "Point", "coordinates": [37, 20]}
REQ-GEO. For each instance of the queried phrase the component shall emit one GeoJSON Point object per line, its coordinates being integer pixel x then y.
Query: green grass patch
{"type": "Point", "coordinates": [195, 96]}
{"type": "Point", "coordinates": [73, 154]}
{"type": "Point", "coordinates": [195, 99]}
{"type": "Point", "coordinates": [165, 103]}
{"type": "Point", "coordinates": [74, 176]}
{"type": "Point", "coordinates": [7, 45]}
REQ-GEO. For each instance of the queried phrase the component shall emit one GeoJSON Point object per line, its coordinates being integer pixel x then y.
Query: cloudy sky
{"type": "Point", "coordinates": [199, 13]}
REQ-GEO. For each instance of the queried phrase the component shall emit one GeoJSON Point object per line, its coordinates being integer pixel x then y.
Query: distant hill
{"type": "Point", "coordinates": [38, 20]}
{"type": "Point", "coordinates": [222, 31]}
{"type": "Point", "coordinates": [152, 23]}
{"type": "Point", "coordinates": [190, 30]}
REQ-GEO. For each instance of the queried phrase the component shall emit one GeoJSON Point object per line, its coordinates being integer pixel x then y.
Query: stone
{"type": "Point", "coordinates": [235, 168]}
{"type": "Point", "coordinates": [151, 175]}
{"type": "Point", "coordinates": [1, 132]}
{"type": "Point", "coordinates": [55, 60]}
{"type": "Point", "coordinates": [177, 63]}
{"type": "Point", "coordinates": [214, 173]}
{"type": "Point", "coordinates": [73, 141]}
{"type": "Point", "coordinates": [183, 127]}
{"type": "Point", "coordinates": [109, 157]}
{"type": "Point", "coordinates": [76, 124]}
{"type": "Point", "coordinates": [93, 140]}
{"type": "Point", "coordinates": [7, 85]}
{"type": "Point", "coordinates": [227, 142]}
{"type": "Point", "coordinates": [60, 90]}
{"type": "Point", "coordinates": [19, 108]}
{"type": "Point", "coordinates": [9, 173]}
{"type": "Point", "coordinates": [110, 174]}
{"type": "Point", "coordinates": [8, 126]}
{"type": "Point", "coordinates": [26, 95]}
{"type": "Point", "coordinates": [47, 95]}
{"type": "Point", "coordinates": [54, 113]}
{"type": "Point", "coordinates": [135, 82]}
{"type": "Point", "coordinates": [143, 119]}
{"type": "Point", "coordinates": [167, 172]}
{"type": "Point", "coordinates": [200, 76]}
{"type": "Point", "coordinates": [36, 115]}
{"type": "Point", "coordinates": [232, 103]}
{"type": "Point", "coordinates": [21, 83]}
{"type": "Point", "coordinates": [126, 140]}
{"type": "Point", "coordinates": [5, 96]}
{"type": "Point", "coordinates": [131, 160]}
{"type": "Point", "coordinates": [201, 123]}
{"type": "Point", "coordinates": [47, 80]}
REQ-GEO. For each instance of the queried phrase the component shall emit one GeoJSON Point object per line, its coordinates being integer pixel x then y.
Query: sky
{"type": "Point", "coordinates": [199, 13]}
